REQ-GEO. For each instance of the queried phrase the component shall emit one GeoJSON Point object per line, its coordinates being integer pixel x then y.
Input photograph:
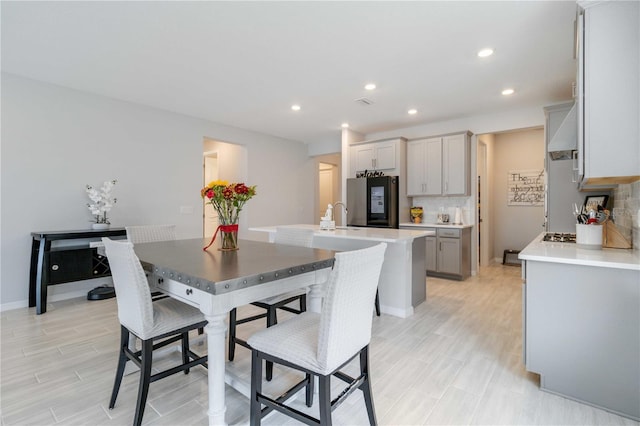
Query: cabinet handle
{"type": "Point", "coordinates": [440, 249]}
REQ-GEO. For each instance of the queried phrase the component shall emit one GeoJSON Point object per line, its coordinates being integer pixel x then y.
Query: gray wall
{"type": "Point", "coordinates": [515, 226]}
{"type": "Point", "coordinates": [55, 141]}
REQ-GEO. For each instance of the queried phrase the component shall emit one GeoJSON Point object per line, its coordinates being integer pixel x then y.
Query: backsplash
{"type": "Point", "coordinates": [626, 211]}
{"type": "Point", "coordinates": [432, 205]}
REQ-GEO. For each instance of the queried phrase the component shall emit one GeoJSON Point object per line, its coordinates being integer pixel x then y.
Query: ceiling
{"type": "Point", "coordinates": [244, 64]}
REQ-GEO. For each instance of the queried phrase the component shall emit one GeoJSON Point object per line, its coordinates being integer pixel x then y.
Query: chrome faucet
{"type": "Point", "coordinates": [334, 208]}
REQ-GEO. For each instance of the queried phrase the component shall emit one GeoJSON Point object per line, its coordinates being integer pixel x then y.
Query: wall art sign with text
{"type": "Point", "coordinates": [525, 188]}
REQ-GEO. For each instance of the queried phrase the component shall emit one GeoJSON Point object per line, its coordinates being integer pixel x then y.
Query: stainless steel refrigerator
{"type": "Point", "coordinates": [373, 201]}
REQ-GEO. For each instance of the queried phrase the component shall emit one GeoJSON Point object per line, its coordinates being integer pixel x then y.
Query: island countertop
{"type": "Point", "coordinates": [357, 233]}
{"type": "Point", "coordinates": [570, 253]}
{"type": "Point", "coordinates": [433, 225]}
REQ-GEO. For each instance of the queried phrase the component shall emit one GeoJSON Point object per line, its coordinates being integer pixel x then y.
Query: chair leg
{"type": "Point", "coordinates": [272, 319]}
{"type": "Point", "coordinates": [309, 390]}
{"type": "Point", "coordinates": [185, 350]}
{"type": "Point", "coordinates": [325, 399]}
{"type": "Point", "coordinates": [366, 385]}
{"type": "Point", "coordinates": [145, 378]}
{"type": "Point", "coordinates": [232, 333]}
{"type": "Point", "coordinates": [303, 303]}
{"type": "Point", "coordinates": [256, 388]}
{"type": "Point", "coordinates": [122, 361]}
{"type": "Point", "coordinates": [377, 304]}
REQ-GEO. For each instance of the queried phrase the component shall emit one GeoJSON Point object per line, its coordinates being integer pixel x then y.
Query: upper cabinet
{"type": "Point", "coordinates": [373, 156]}
{"type": "Point", "coordinates": [608, 93]}
{"type": "Point", "coordinates": [439, 165]}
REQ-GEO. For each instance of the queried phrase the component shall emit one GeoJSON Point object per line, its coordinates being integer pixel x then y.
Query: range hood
{"type": "Point", "coordinates": [565, 140]}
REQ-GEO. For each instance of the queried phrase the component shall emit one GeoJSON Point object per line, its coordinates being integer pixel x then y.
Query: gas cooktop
{"type": "Point", "coordinates": [560, 237]}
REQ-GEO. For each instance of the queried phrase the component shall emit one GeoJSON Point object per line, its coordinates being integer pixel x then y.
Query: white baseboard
{"type": "Point", "coordinates": [65, 291]}
{"type": "Point", "coordinates": [396, 312]}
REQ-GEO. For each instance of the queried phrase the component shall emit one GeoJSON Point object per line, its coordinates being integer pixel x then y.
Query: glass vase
{"type": "Point", "coordinates": [229, 237]}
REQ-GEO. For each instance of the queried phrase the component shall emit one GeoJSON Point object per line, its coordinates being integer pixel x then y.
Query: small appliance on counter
{"type": "Point", "coordinates": [373, 201]}
{"type": "Point", "coordinates": [442, 216]}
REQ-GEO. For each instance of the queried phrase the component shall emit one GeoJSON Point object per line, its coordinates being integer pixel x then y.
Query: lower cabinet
{"type": "Point", "coordinates": [76, 264]}
{"type": "Point", "coordinates": [449, 253]}
{"type": "Point", "coordinates": [582, 333]}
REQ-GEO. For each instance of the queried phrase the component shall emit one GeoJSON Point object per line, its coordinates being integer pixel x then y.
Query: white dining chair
{"type": "Point", "coordinates": [320, 344]}
{"type": "Point", "coordinates": [150, 233]}
{"type": "Point", "coordinates": [157, 324]}
{"type": "Point", "coordinates": [300, 237]}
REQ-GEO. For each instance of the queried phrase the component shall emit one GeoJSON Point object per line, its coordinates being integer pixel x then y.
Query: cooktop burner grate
{"type": "Point", "coordinates": [560, 237]}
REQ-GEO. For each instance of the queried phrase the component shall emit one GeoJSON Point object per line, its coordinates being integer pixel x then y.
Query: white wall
{"type": "Point", "coordinates": [515, 226]}
{"type": "Point", "coordinates": [56, 140]}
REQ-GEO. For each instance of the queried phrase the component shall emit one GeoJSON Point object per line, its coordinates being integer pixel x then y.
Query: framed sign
{"type": "Point", "coordinates": [525, 188]}
{"type": "Point", "coordinates": [591, 202]}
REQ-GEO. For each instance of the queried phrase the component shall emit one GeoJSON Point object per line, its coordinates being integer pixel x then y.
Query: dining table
{"type": "Point", "coordinates": [217, 281]}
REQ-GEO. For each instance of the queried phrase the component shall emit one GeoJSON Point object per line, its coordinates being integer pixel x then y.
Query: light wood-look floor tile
{"type": "Point", "coordinates": [457, 360]}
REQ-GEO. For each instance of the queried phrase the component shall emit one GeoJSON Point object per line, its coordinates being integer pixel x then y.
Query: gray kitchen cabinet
{"type": "Point", "coordinates": [439, 165]}
{"type": "Point", "coordinates": [608, 101]}
{"type": "Point", "coordinates": [560, 192]}
{"type": "Point", "coordinates": [432, 253]}
{"type": "Point", "coordinates": [448, 253]}
{"type": "Point", "coordinates": [381, 155]}
{"type": "Point", "coordinates": [582, 333]}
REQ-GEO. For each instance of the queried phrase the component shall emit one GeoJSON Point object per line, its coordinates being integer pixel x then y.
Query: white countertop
{"type": "Point", "coordinates": [544, 251]}
{"type": "Point", "coordinates": [435, 225]}
{"type": "Point", "coordinates": [358, 233]}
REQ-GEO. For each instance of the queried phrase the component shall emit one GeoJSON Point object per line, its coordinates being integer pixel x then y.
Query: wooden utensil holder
{"type": "Point", "coordinates": [612, 238]}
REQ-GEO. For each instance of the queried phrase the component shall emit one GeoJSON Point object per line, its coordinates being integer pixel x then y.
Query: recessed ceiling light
{"type": "Point", "coordinates": [507, 92]}
{"type": "Point", "coordinates": [412, 111]}
{"type": "Point", "coordinates": [345, 125]}
{"type": "Point", "coordinates": [370, 86]}
{"type": "Point", "coordinates": [295, 107]}
{"type": "Point", "coordinates": [485, 52]}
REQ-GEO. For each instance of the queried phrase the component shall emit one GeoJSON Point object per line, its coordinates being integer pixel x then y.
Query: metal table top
{"type": "Point", "coordinates": [218, 272]}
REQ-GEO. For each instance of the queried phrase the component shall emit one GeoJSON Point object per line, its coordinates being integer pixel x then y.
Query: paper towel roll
{"type": "Point", "coordinates": [458, 216]}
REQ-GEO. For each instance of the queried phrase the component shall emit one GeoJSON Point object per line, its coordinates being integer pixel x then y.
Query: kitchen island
{"type": "Point", "coordinates": [581, 323]}
{"type": "Point", "coordinates": [402, 284]}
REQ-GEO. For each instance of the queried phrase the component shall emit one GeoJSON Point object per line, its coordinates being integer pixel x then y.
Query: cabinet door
{"type": "Point", "coordinates": [449, 255]}
{"type": "Point", "coordinates": [415, 168]}
{"type": "Point", "coordinates": [385, 156]}
{"type": "Point", "coordinates": [454, 163]}
{"type": "Point", "coordinates": [432, 253]}
{"type": "Point", "coordinates": [364, 156]}
{"type": "Point", "coordinates": [70, 265]}
{"type": "Point", "coordinates": [433, 166]}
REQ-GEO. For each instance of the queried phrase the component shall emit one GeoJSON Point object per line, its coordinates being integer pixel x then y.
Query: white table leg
{"type": "Point", "coordinates": [215, 330]}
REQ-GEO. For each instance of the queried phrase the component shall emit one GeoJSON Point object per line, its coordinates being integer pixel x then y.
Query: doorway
{"type": "Point", "coordinates": [483, 205]}
{"type": "Point", "coordinates": [209, 216]}
{"type": "Point", "coordinates": [226, 161]}
{"type": "Point", "coordinates": [328, 186]}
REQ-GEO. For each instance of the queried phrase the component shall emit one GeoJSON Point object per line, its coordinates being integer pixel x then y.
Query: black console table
{"type": "Point", "coordinates": [64, 264]}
